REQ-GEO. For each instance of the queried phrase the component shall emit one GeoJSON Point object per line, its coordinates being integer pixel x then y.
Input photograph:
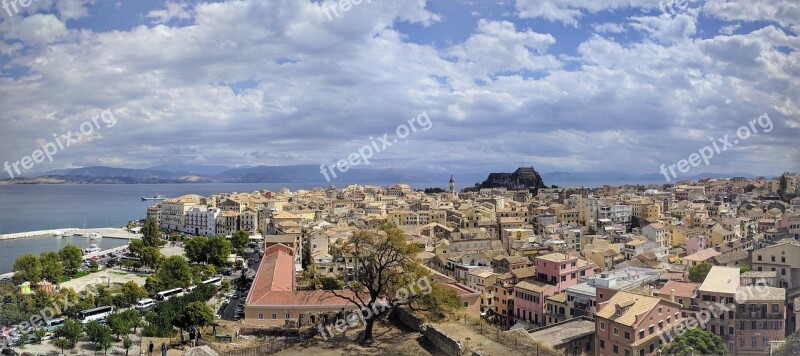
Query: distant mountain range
{"type": "Point", "coordinates": [311, 174]}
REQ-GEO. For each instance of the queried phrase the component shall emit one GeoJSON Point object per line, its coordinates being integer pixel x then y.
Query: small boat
{"type": "Point", "coordinates": [95, 236]}
{"type": "Point", "coordinates": [91, 249]}
{"type": "Point", "coordinates": [155, 197]}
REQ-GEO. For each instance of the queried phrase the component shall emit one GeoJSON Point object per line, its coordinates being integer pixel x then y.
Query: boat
{"type": "Point", "coordinates": [59, 234]}
{"type": "Point", "coordinates": [91, 249]}
{"type": "Point", "coordinates": [95, 236]}
{"type": "Point", "coordinates": [155, 197]}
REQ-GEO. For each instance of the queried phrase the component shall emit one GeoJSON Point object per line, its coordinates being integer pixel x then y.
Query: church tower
{"type": "Point", "coordinates": [452, 188]}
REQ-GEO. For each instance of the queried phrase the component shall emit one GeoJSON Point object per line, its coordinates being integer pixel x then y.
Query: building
{"type": "Point", "coordinates": [573, 337]}
{"type": "Point", "coordinates": [747, 317]}
{"type": "Point", "coordinates": [562, 270]}
{"type": "Point", "coordinates": [273, 299]}
{"type": "Point", "coordinates": [631, 324]}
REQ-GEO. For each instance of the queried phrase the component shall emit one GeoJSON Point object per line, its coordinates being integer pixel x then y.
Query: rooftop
{"type": "Point", "coordinates": [562, 333]}
{"type": "Point", "coordinates": [721, 280]}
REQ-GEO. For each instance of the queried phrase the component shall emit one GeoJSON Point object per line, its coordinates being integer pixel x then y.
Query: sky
{"type": "Point", "coordinates": [569, 85]}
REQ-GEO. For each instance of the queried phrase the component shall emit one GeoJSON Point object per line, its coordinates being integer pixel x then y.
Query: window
{"type": "Point", "coordinates": [659, 310]}
{"type": "Point", "coordinates": [651, 329]}
{"type": "Point", "coordinates": [616, 332]}
{"type": "Point", "coordinates": [563, 278]}
{"type": "Point", "coordinates": [603, 343]}
{"type": "Point", "coordinates": [759, 257]}
{"type": "Point", "coordinates": [288, 316]}
{"type": "Point", "coordinates": [602, 325]}
{"type": "Point", "coordinates": [783, 271]}
{"type": "Point", "coordinates": [783, 259]}
{"type": "Point", "coordinates": [260, 316]}
{"type": "Point", "coordinates": [641, 334]}
{"type": "Point", "coordinates": [274, 316]}
{"type": "Point", "coordinates": [627, 335]}
{"type": "Point", "coordinates": [773, 260]}
{"type": "Point", "coordinates": [616, 348]}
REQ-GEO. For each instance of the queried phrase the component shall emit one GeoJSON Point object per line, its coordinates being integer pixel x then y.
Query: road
{"type": "Point", "coordinates": [228, 314]}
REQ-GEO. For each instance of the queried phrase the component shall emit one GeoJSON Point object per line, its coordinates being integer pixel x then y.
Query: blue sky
{"type": "Point", "coordinates": [570, 85]}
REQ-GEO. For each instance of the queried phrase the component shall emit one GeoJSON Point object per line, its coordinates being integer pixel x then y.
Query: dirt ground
{"type": "Point", "coordinates": [390, 339]}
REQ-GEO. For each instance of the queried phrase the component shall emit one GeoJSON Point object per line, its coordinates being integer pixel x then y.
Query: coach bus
{"type": "Point", "coordinates": [96, 314]}
{"type": "Point", "coordinates": [167, 294]}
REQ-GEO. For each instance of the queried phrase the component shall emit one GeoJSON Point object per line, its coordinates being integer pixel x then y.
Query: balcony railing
{"type": "Point", "coordinates": [759, 315]}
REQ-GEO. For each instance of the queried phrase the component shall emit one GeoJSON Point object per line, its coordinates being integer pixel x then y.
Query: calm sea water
{"type": "Point", "coordinates": [43, 207]}
{"type": "Point", "coordinates": [11, 249]}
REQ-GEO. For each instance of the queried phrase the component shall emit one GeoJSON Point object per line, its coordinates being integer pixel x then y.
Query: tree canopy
{"type": "Point", "coordinates": [696, 341]}
{"type": "Point", "coordinates": [28, 268]}
{"type": "Point", "coordinates": [388, 275]}
{"type": "Point", "coordinates": [72, 258]}
{"type": "Point", "coordinates": [698, 273]}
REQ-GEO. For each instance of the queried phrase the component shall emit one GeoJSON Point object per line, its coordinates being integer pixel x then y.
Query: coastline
{"type": "Point", "coordinates": [109, 232]}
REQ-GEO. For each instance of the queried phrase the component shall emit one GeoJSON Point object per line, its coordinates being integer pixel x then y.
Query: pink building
{"type": "Point", "coordinates": [529, 301]}
{"type": "Point", "coordinates": [562, 270]}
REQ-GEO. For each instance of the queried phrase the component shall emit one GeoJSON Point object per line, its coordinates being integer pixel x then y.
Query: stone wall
{"type": "Point", "coordinates": [449, 345]}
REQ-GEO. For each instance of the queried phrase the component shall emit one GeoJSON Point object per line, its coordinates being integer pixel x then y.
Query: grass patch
{"type": "Point", "coordinates": [76, 275]}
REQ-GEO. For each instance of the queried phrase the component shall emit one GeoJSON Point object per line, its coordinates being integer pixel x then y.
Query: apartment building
{"type": "Point", "coordinates": [562, 270]}
{"type": "Point", "coordinates": [784, 259]}
{"type": "Point", "coordinates": [747, 317]}
{"type": "Point", "coordinates": [631, 324]}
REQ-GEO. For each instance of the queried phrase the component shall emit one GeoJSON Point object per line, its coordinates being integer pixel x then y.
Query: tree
{"type": "Point", "coordinates": [127, 344]}
{"type": "Point", "coordinates": [197, 314]}
{"type": "Point", "coordinates": [40, 333]}
{"type": "Point", "coordinates": [102, 296]}
{"type": "Point", "coordinates": [175, 272]}
{"type": "Point", "coordinates": [239, 241]}
{"type": "Point", "coordinates": [63, 344]}
{"type": "Point", "coordinates": [695, 341]}
{"type": "Point", "coordinates": [385, 269]}
{"type": "Point", "coordinates": [789, 348]}
{"type": "Point", "coordinates": [72, 257]}
{"type": "Point", "coordinates": [744, 268]}
{"type": "Point", "coordinates": [94, 266]}
{"type": "Point", "coordinates": [133, 319]}
{"type": "Point", "coordinates": [72, 330]}
{"type": "Point", "coordinates": [151, 237]}
{"type": "Point", "coordinates": [99, 335]}
{"type": "Point", "coordinates": [150, 257]}
{"type": "Point", "coordinates": [118, 325]}
{"type": "Point", "coordinates": [28, 268]}
{"type": "Point", "coordinates": [52, 266]}
{"type": "Point", "coordinates": [131, 292]}
{"type": "Point", "coordinates": [219, 249]}
{"type": "Point", "coordinates": [197, 249]}
{"type": "Point", "coordinates": [698, 273]}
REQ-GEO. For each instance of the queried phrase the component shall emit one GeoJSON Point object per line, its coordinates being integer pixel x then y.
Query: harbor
{"type": "Point", "coordinates": [36, 242]}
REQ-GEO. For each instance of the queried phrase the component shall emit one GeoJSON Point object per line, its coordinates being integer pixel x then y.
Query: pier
{"type": "Point", "coordinates": [22, 235]}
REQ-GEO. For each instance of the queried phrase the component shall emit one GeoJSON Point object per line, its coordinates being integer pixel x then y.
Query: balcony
{"type": "Point", "coordinates": [759, 315]}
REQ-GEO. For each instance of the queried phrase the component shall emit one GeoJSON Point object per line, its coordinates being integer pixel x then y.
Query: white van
{"type": "Point", "coordinates": [53, 324]}
{"type": "Point", "coordinates": [145, 304]}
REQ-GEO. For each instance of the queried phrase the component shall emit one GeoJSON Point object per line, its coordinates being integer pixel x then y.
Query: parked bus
{"type": "Point", "coordinates": [167, 294]}
{"type": "Point", "coordinates": [96, 314]}
{"type": "Point", "coordinates": [213, 281]}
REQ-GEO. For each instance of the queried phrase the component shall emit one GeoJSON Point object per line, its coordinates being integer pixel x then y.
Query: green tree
{"type": "Point", "coordinates": [63, 344]}
{"type": "Point", "coordinates": [219, 249]}
{"type": "Point", "coordinates": [127, 344]}
{"type": "Point", "coordinates": [330, 283]}
{"type": "Point", "coordinates": [744, 268]}
{"type": "Point", "coordinates": [72, 257]}
{"type": "Point", "coordinates": [40, 333]}
{"type": "Point", "coordinates": [94, 266]}
{"type": "Point", "coordinates": [197, 314]}
{"type": "Point", "coordinates": [387, 268]}
{"type": "Point", "coordinates": [197, 249]}
{"type": "Point", "coordinates": [99, 335]}
{"type": "Point", "coordinates": [696, 342]}
{"type": "Point", "coordinates": [239, 241]}
{"type": "Point", "coordinates": [175, 272]}
{"type": "Point", "coordinates": [150, 257]}
{"type": "Point", "coordinates": [131, 293]}
{"type": "Point", "coordinates": [28, 268]}
{"type": "Point", "coordinates": [52, 266]}
{"type": "Point", "coordinates": [118, 324]}
{"type": "Point", "coordinates": [102, 296]}
{"type": "Point", "coordinates": [151, 237]}
{"type": "Point", "coordinates": [72, 330]}
{"type": "Point", "coordinates": [789, 348]}
{"type": "Point", "coordinates": [133, 319]}
{"type": "Point", "coordinates": [698, 273]}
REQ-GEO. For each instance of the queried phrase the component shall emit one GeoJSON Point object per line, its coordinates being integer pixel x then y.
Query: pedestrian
{"type": "Point", "coordinates": [150, 348]}
{"type": "Point", "coordinates": [163, 349]}
{"type": "Point", "coordinates": [183, 340]}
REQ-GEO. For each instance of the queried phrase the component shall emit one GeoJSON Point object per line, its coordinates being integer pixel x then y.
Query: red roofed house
{"type": "Point", "coordinates": [273, 300]}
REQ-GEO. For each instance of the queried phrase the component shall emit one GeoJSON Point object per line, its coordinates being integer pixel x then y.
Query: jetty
{"type": "Point", "coordinates": [22, 235]}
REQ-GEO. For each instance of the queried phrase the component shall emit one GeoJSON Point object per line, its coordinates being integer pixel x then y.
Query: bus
{"type": "Point", "coordinates": [213, 281]}
{"type": "Point", "coordinates": [167, 294]}
{"type": "Point", "coordinates": [96, 314]}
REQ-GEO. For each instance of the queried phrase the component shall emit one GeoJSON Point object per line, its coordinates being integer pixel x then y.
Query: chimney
{"type": "Point", "coordinates": [672, 294]}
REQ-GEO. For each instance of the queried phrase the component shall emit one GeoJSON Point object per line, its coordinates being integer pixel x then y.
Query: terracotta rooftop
{"type": "Point", "coordinates": [682, 289]}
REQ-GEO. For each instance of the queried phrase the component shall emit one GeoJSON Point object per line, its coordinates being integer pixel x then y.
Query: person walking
{"type": "Point", "coordinates": [163, 349]}
{"type": "Point", "coordinates": [150, 348]}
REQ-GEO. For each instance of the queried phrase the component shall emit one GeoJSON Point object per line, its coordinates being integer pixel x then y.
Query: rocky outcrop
{"type": "Point", "coordinates": [523, 178]}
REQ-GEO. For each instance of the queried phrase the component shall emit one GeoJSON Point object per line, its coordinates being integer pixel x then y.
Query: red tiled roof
{"type": "Point", "coordinates": [274, 283]}
{"type": "Point", "coordinates": [682, 289]}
